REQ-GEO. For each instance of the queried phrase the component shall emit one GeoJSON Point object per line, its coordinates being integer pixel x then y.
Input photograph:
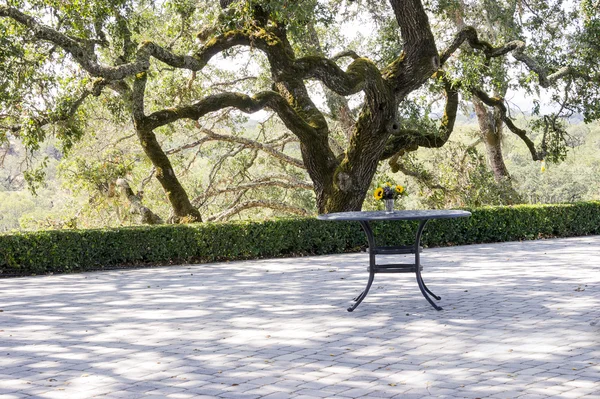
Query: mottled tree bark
{"type": "Point", "coordinates": [491, 125]}
{"type": "Point", "coordinates": [183, 210]}
{"type": "Point", "coordinates": [491, 129]}
{"type": "Point", "coordinates": [136, 206]}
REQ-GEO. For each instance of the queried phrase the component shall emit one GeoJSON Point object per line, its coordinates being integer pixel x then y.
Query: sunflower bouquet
{"type": "Point", "coordinates": [389, 192]}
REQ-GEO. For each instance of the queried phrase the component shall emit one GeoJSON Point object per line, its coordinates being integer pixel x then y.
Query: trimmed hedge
{"type": "Point", "coordinates": [64, 251]}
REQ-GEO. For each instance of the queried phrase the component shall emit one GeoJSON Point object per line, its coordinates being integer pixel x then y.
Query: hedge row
{"type": "Point", "coordinates": [79, 250]}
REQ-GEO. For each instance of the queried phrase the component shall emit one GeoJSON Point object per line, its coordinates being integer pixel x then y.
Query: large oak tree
{"type": "Point", "coordinates": [102, 39]}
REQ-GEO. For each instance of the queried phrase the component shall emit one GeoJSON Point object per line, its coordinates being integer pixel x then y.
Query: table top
{"type": "Point", "coordinates": [395, 215]}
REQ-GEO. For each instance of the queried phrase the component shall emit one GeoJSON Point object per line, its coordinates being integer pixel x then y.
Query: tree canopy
{"type": "Point", "coordinates": [347, 104]}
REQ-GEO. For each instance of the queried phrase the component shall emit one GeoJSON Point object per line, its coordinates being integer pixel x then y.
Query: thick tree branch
{"type": "Point", "coordinates": [143, 54]}
{"type": "Point", "coordinates": [419, 58]}
{"type": "Point", "coordinates": [498, 102]}
{"type": "Point", "coordinates": [337, 104]}
{"type": "Point", "coordinates": [322, 68]}
{"type": "Point", "coordinates": [517, 47]}
{"type": "Point", "coordinates": [183, 210]}
{"type": "Point", "coordinates": [137, 99]}
{"type": "Point", "coordinates": [410, 140]}
{"type": "Point", "coordinates": [346, 53]}
{"type": "Point", "coordinates": [244, 103]}
{"type": "Point", "coordinates": [469, 34]}
{"type": "Point", "coordinates": [146, 215]}
{"type": "Point", "coordinates": [419, 43]}
{"type": "Point", "coordinates": [293, 104]}
{"type": "Point", "coordinates": [71, 46]}
{"type": "Point", "coordinates": [359, 73]}
{"type": "Point", "coordinates": [285, 66]}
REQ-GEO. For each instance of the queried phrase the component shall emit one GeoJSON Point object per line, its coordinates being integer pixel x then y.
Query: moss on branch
{"type": "Point", "coordinates": [405, 140]}
{"type": "Point", "coordinates": [243, 102]}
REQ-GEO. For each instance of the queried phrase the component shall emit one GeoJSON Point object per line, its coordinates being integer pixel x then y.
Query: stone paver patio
{"type": "Point", "coordinates": [520, 320]}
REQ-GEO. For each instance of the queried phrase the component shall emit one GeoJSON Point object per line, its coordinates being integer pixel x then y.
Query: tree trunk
{"type": "Point", "coordinates": [136, 206]}
{"type": "Point", "coordinates": [346, 187]}
{"type": "Point", "coordinates": [349, 191]}
{"type": "Point", "coordinates": [183, 210]}
{"type": "Point", "coordinates": [490, 128]}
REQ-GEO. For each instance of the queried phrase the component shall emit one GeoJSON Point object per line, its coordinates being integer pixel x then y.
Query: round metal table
{"type": "Point", "coordinates": [364, 218]}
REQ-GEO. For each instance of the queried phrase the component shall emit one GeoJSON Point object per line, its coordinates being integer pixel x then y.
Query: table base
{"type": "Point", "coordinates": [374, 268]}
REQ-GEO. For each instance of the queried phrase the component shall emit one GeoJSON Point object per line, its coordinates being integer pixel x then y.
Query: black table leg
{"type": "Point", "coordinates": [363, 294]}
{"type": "Point", "coordinates": [371, 240]}
{"type": "Point", "coordinates": [431, 293]}
{"type": "Point", "coordinates": [422, 286]}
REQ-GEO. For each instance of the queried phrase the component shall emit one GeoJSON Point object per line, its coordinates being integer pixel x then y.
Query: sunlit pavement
{"type": "Point", "coordinates": [520, 320]}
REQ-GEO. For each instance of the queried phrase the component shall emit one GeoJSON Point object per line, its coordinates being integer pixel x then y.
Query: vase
{"type": "Point", "coordinates": [389, 205]}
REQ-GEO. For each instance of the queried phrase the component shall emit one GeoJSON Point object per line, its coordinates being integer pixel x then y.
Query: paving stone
{"type": "Point", "coordinates": [313, 392]}
{"type": "Point", "coordinates": [181, 395]}
{"type": "Point", "coordinates": [513, 326]}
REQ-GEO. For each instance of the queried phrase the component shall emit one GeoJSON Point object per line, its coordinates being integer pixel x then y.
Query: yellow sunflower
{"type": "Point", "coordinates": [378, 194]}
{"type": "Point", "coordinates": [399, 189]}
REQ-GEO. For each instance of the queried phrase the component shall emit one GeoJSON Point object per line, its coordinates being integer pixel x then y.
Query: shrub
{"type": "Point", "coordinates": [64, 251]}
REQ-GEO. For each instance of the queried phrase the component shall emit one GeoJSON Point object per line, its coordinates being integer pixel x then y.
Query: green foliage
{"type": "Point", "coordinates": [554, 137]}
{"type": "Point", "coordinates": [66, 251]}
{"type": "Point", "coordinates": [574, 179]}
{"type": "Point", "coordinates": [96, 174]}
{"type": "Point", "coordinates": [12, 207]}
{"type": "Point", "coordinates": [457, 175]}
{"type": "Point", "coordinates": [79, 250]}
{"type": "Point", "coordinates": [294, 14]}
{"type": "Point", "coordinates": [387, 44]}
{"type": "Point", "coordinates": [35, 177]}
{"type": "Point", "coordinates": [587, 47]}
